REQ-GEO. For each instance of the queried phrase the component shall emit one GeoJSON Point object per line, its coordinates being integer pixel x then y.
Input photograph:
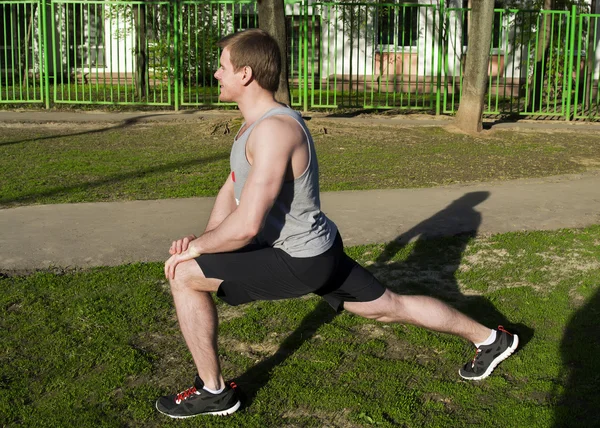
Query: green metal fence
{"type": "Point", "coordinates": [340, 54]}
{"type": "Point", "coordinates": [371, 55]}
{"type": "Point", "coordinates": [586, 102]}
{"type": "Point", "coordinates": [21, 53]}
{"type": "Point", "coordinates": [97, 46]}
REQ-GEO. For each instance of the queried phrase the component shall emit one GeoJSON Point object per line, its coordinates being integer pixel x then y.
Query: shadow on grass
{"type": "Point", "coordinates": [579, 403]}
{"type": "Point", "coordinates": [258, 376]}
{"type": "Point", "coordinates": [123, 124]}
{"type": "Point", "coordinates": [32, 197]}
{"type": "Point", "coordinates": [460, 221]}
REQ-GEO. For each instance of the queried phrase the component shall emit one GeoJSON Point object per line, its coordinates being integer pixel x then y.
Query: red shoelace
{"type": "Point", "coordinates": [185, 394]}
{"type": "Point", "coordinates": [500, 328]}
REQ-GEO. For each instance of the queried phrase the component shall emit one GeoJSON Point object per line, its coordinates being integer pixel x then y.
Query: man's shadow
{"type": "Point", "coordinates": [579, 404]}
{"type": "Point", "coordinates": [429, 269]}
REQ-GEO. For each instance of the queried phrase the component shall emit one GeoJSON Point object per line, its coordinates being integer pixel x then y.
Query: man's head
{"type": "Point", "coordinates": [258, 51]}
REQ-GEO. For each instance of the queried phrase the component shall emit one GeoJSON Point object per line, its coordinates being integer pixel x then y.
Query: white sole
{"type": "Point", "coordinates": [225, 412]}
{"type": "Point", "coordinates": [503, 356]}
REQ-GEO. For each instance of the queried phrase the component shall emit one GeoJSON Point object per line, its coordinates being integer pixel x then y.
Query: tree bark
{"type": "Point", "coordinates": [470, 110]}
{"type": "Point", "coordinates": [28, 44]}
{"type": "Point", "coordinates": [271, 18]}
{"type": "Point", "coordinates": [141, 53]}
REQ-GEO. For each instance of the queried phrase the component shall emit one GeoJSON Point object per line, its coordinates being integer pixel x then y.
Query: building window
{"type": "Point", "coordinates": [398, 24]}
{"type": "Point", "coordinates": [497, 29]}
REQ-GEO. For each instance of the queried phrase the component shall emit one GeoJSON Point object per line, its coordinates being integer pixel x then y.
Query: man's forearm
{"type": "Point", "coordinates": [223, 207]}
{"type": "Point", "coordinates": [231, 234]}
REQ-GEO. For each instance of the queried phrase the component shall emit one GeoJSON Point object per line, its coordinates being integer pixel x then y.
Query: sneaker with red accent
{"type": "Point", "coordinates": [197, 401]}
{"type": "Point", "coordinates": [488, 357]}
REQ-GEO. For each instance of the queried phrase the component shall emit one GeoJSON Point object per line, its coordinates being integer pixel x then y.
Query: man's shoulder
{"type": "Point", "coordinates": [281, 128]}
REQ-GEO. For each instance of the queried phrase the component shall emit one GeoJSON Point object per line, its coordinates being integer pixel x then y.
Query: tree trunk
{"type": "Point", "coordinates": [141, 53]}
{"type": "Point", "coordinates": [14, 27]}
{"type": "Point", "coordinates": [470, 110]}
{"type": "Point", "coordinates": [28, 43]}
{"type": "Point", "coordinates": [271, 18]}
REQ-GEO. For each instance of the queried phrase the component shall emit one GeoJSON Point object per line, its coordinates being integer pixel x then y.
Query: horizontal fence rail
{"type": "Point", "coordinates": [372, 55]}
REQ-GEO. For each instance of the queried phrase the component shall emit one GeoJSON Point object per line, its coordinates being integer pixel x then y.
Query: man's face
{"type": "Point", "coordinates": [229, 81]}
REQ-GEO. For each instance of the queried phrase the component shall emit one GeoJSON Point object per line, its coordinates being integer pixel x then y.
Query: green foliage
{"type": "Point", "coordinates": [197, 37]}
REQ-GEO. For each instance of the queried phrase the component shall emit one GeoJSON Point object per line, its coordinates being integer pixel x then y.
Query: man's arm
{"type": "Point", "coordinates": [270, 146]}
{"type": "Point", "coordinates": [224, 205]}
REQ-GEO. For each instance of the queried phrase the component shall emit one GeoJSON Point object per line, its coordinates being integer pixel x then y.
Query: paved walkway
{"type": "Point", "coordinates": [194, 115]}
{"type": "Point", "coordinates": [97, 234]}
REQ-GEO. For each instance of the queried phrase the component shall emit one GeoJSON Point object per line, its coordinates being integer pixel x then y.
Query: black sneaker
{"type": "Point", "coordinates": [489, 356]}
{"type": "Point", "coordinates": [196, 401]}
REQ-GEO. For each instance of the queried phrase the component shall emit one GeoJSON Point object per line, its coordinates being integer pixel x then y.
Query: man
{"type": "Point", "coordinates": [267, 239]}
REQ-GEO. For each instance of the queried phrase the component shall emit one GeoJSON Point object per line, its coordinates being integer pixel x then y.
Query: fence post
{"type": "Point", "coordinates": [305, 55]}
{"type": "Point", "coordinates": [176, 6]}
{"type": "Point", "coordinates": [44, 69]}
{"type": "Point", "coordinates": [441, 51]}
{"type": "Point", "coordinates": [571, 51]}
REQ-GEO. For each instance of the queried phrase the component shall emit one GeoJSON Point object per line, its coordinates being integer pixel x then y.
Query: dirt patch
{"type": "Point", "coordinates": [227, 313]}
{"type": "Point", "coordinates": [439, 398]}
{"type": "Point", "coordinates": [330, 419]}
{"type": "Point", "coordinates": [591, 163]}
{"type": "Point", "coordinates": [494, 258]}
{"type": "Point", "coordinates": [255, 351]}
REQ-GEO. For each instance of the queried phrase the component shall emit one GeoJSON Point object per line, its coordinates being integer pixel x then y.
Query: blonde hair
{"type": "Point", "coordinates": [256, 49]}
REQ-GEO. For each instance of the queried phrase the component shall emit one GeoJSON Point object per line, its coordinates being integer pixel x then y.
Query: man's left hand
{"type": "Point", "coordinates": [170, 265]}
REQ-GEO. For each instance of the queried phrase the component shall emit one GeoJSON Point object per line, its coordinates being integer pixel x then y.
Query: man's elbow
{"type": "Point", "coordinates": [249, 231]}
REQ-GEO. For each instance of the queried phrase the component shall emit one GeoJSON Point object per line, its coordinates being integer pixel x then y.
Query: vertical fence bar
{"type": "Point", "coordinates": [4, 39]}
{"type": "Point", "coordinates": [570, 53]}
{"type": "Point", "coordinates": [176, 16]}
{"type": "Point", "coordinates": [594, 18]}
{"type": "Point", "coordinates": [43, 52]}
{"type": "Point", "coordinates": [20, 64]}
{"type": "Point", "coordinates": [440, 51]}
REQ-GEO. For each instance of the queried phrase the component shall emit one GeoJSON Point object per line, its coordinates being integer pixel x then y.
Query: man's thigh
{"type": "Point", "coordinates": [252, 274]}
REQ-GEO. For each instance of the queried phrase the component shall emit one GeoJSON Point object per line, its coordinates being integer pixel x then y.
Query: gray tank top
{"type": "Point", "coordinates": [295, 224]}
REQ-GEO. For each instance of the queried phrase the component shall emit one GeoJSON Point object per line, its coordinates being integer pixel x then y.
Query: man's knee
{"type": "Point", "coordinates": [189, 276]}
{"type": "Point", "coordinates": [381, 309]}
{"type": "Point", "coordinates": [186, 275]}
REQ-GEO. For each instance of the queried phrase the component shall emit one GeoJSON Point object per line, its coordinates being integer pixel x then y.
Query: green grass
{"type": "Point", "coordinates": [92, 162]}
{"type": "Point", "coordinates": [96, 347]}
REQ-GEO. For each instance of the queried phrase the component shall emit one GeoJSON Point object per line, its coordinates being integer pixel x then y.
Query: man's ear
{"type": "Point", "coordinates": [247, 75]}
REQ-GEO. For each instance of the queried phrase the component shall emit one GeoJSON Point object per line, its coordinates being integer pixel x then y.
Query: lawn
{"type": "Point", "coordinates": [127, 161]}
{"type": "Point", "coordinates": [96, 347]}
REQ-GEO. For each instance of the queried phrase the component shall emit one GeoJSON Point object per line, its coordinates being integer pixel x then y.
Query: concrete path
{"type": "Point", "coordinates": [50, 117]}
{"type": "Point", "coordinates": [98, 234]}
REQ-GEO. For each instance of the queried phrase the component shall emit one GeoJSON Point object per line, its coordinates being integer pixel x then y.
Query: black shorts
{"type": "Point", "coordinates": [266, 273]}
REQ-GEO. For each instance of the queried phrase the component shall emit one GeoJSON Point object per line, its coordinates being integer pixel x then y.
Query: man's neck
{"type": "Point", "coordinates": [254, 105]}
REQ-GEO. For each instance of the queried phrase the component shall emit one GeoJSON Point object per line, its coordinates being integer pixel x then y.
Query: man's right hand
{"type": "Point", "coordinates": [181, 245]}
